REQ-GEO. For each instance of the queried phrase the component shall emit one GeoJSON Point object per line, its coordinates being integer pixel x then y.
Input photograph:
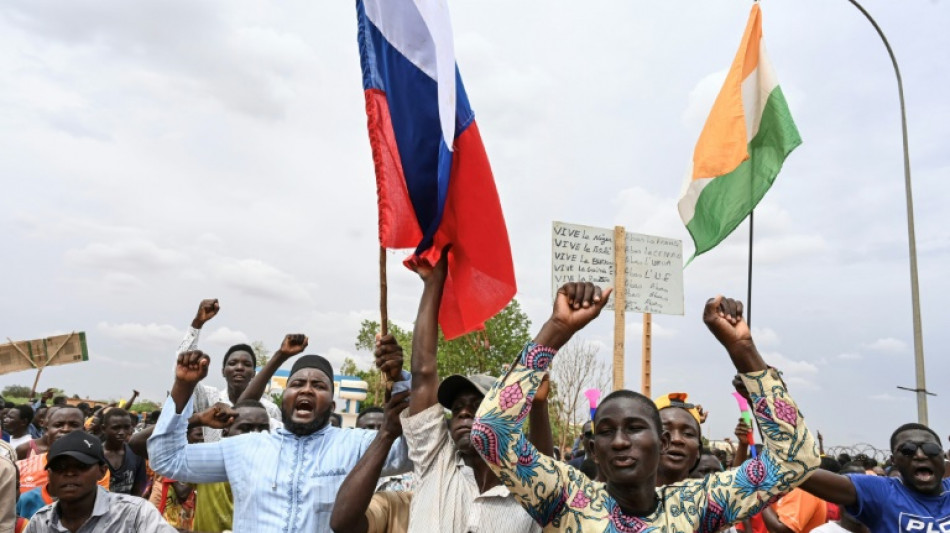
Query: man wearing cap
{"type": "Point", "coordinates": [75, 465]}
{"type": "Point", "coordinates": [281, 481]}
{"type": "Point", "coordinates": [238, 369]}
{"type": "Point", "coordinates": [454, 489]}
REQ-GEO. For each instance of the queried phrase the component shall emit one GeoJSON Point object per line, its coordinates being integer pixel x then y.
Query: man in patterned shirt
{"type": "Point", "coordinates": [629, 438]}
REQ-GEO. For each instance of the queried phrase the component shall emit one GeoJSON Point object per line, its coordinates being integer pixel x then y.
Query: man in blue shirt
{"type": "Point", "coordinates": [281, 481]}
{"type": "Point", "coordinates": [917, 501]}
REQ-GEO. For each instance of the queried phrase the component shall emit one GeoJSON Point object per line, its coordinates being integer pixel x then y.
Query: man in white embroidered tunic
{"type": "Point", "coordinates": [454, 489]}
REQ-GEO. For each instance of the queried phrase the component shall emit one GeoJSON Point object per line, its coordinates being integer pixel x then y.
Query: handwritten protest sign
{"type": "Point", "coordinates": [654, 265]}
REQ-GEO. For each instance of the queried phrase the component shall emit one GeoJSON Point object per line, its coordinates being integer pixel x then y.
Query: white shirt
{"type": "Point", "coordinates": [206, 396]}
{"type": "Point", "coordinates": [445, 493]}
{"type": "Point", "coordinates": [20, 440]}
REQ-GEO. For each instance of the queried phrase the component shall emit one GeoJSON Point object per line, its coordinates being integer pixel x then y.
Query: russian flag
{"type": "Point", "coordinates": [433, 178]}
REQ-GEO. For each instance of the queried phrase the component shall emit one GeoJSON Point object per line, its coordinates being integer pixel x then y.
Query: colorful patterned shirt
{"type": "Point", "coordinates": [561, 498]}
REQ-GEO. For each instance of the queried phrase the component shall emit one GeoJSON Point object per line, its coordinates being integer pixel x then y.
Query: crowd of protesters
{"type": "Point", "coordinates": [450, 453]}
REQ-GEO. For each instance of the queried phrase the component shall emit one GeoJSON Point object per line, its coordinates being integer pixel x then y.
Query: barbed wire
{"type": "Point", "coordinates": [861, 448]}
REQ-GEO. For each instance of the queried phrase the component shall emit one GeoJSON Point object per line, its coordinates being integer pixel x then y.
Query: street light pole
{"type": "Point", "coordinates": [921, 388]}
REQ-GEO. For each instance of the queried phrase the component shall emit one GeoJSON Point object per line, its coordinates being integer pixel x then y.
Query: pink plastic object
{"type": "Point", "coordinates": [593, 396]}
{"type": "Point", "coordinates": [747, 418]}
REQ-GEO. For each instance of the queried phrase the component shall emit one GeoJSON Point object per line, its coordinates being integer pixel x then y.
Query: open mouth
{"type": "Point", "coordinates": [924, 475]}
{"type": "Point", "coordinates": [304, 408]}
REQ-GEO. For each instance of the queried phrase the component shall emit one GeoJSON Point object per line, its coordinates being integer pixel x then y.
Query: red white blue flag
{"type": "Point", "coordinates": [433, 178]}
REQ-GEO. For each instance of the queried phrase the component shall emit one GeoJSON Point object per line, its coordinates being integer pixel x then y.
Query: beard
{"type": "Point", "coordinates": [302, 429]}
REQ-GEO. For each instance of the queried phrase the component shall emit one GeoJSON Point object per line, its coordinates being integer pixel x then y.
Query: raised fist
{"type": "Point", "coordinates": [294, 343]}
{"type": "Point", "coordinates": [578, 303]}
{"type": "Point", "coordinates": [723, 317]}
{"type": "Point", "coordinates": [192, 366]}
{"type": "Point", "coordinates": [207, 310]}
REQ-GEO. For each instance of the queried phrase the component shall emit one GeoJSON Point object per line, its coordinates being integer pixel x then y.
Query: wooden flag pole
{"type": "Point", "coordinates": [383, 294]}
{"type": "Point", "coordinates": [647, 366]}
{"type": "Point", "coordinates": [620, 302]}
{"type": "Point", "coordinates": [383, 307]}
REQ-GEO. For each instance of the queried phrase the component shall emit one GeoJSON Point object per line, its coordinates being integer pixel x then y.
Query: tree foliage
{"type": "Point", "coordinates": [261, 353]}
{"type": "Point", "coordinates": [485, 351]}
{"type": "Point", "coordinates": [18, 391]}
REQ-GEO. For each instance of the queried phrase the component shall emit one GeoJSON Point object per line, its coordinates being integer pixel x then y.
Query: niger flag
{"type": "Point", "coordinates": [742, 147]}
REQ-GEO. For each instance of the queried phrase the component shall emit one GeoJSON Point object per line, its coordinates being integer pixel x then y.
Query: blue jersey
{"type": "Point", "coordinates": [886, 504]}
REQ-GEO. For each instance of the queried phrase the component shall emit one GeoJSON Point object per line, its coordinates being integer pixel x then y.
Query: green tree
{"type": "Point", "coordinates": [18, 391]}
{"type": "Point", "coordinates": [145, 406]}
{"type": "Point", "coordinates": [261, 353]}
{"type": "Point", "coordinates": [486, 351]}
{"type": "Point", "coordinates": [489, 350]}
{"type": "Point", "coordinates": [375, 386]}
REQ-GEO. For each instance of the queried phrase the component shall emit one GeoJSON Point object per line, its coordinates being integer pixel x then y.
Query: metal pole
{"type": "Point", "coordinates": [748, 294]}
{"type": "Point", "coordinates": [912, 240]}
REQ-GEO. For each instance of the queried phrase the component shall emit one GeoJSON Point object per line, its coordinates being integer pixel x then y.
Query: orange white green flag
{"type": "Point", "coordinates": [742, 147]}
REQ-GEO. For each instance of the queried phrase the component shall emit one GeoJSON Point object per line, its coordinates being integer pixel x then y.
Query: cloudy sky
{"type": "Point", "coordinates": [159, 152]}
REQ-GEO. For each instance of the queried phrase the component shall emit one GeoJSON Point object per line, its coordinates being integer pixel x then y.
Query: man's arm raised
{"type": "Point", "coordinates": [353, 498]}
{"type": "Point", "coordinates": [543, 486]}
{"type": "Point", "coordinates": [293, 344]}
{"type": "Point", "coordinates": [425, 338]}
{"type": "Point", "coordinates": [168, 446]}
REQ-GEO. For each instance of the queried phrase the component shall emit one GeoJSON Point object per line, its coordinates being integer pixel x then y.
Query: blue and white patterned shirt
{"type": "Point", "coordinates": [281, 482]}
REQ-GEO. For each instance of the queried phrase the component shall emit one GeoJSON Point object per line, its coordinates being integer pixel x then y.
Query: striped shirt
{"type": "Point", "coordinates": [205, 397]}
{"type": "Point", "coordinates": [281, 482]}
{"type": "Point", "coordinates": [446, 494]}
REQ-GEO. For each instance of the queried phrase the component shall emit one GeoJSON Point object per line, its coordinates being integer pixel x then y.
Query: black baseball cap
{"type": "Point", "coordinates": [79, 445]}
{"type": "Point", "coordinates": [452, 385]}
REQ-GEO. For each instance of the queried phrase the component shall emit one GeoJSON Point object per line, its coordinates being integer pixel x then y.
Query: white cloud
{"type": "Point", "coordinates": [886, 397]}
{"type": "Point", "coordinates": [130, 255]}
{"type": "Point", "coordinates": [765, 337]}
{"type": "Point", "coordinates": [795, 372]}
{"type": "Point", "coordinates": [635, 331]}
{"type": "Point", "coordinates": [227, 336]}
{"type": "Point", "coordinates": [888, 345]}
{"type": "Point", "coordinates": [150, 334]}
{"type": "Point", "coordinates": [257, 278]}
{"type": "Point", "coordinates": [850, 356]}
{"type": "Point", "coordinates": [701, 100]}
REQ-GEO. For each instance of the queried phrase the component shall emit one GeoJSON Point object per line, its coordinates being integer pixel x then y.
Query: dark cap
{"type": "Point", "coordinates": [79, 445]}
{"type": "Point", "coordinates": [452, 385]}
{"type": "Point", "coordinates": [313, 361]}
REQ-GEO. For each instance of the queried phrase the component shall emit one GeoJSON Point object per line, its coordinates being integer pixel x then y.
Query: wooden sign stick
{"type": "Point", "coordinates": [620, 302]}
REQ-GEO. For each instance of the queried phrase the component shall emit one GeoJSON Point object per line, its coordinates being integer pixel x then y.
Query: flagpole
{"type": "Point", "coordinates": [748, 298]}
{"type": "Point", "coordinates": [383, 294]}
{"type": "Point", "coordinates": [921, 387]}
